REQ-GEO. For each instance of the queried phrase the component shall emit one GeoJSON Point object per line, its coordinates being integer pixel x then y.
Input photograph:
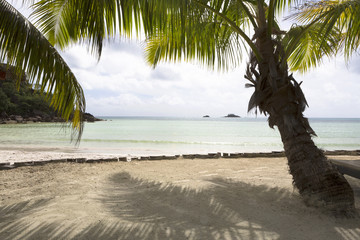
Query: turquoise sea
{"type": "Point", "coordinates": [159, 135]}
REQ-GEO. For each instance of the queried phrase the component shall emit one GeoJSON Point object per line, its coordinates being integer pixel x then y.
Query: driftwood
{"type": "Point", "coordinates": [351, 168]}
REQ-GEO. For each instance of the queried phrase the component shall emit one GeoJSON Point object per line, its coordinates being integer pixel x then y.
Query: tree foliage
{"type": "Point", "coordinates": [231, 26]}
{"type": "Point", "coordinates": [343, 15]}
{"type": "Point", "coordinates": [23, 101]}
{"type": "Point", "coordinates": [23, 46]}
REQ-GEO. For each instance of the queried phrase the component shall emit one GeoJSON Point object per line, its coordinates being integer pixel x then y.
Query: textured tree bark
{"type": "Point", "coordinates": [317, 179]}
{"type": "Point", "coordinates": [279, 96]}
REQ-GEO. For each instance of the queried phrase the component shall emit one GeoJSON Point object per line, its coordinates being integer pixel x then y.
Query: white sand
{"type": "Point", "coordinates": [168, 199]}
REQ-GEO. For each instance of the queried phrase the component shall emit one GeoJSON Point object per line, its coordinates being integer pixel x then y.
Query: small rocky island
{"type": "Point", "coordinates": [231, 115]}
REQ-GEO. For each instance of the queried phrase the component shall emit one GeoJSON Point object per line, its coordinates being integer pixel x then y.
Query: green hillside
{"type": "Point", "coordinates": [25, 104]}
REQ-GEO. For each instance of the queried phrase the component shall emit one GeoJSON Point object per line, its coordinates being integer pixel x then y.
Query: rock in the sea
{"type": "Point", "coordinates": [90, 118]}
{"type": "Point", "coordinates": [231, 115]}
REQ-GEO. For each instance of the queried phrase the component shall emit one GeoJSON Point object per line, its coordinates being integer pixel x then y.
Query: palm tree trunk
{"type": "Point", "coordinates": [317, 179]}
{"type": "Point", "coordinates": [279, 96]}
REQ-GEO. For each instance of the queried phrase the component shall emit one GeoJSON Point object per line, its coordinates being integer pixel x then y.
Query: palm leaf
{"type": "Point", "coordinates": [312, 44]}
{"type": "Point", "coordinates": [67, 21]}
{"type": "Point", "coordinates": [223, 50]}
{"type": "Point", "coordinates": [23, 46]}
{"type": "Point", "coordinates": [208, 34]}
{"type": "Point", "coordinates": [340, 14]}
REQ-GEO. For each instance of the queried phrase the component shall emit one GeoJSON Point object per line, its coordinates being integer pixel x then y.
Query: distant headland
{"type": "Point", "coordinates": [25, 105]}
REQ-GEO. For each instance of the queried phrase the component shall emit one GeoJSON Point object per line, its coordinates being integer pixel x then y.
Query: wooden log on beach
{"type": "Point", "coordinates": [201, 156]}
{"type": "Point", "coordinates": [91, 160]}
{"type": "Point", "coordinates": [39, 163]}
{"type": "Point", "coordinates": [156, 157]}
{"type": "Point", "coordinates": [232, 155]}
{"type": "Point", "coordinates": [254, 155]}
{"type": "Point", "coordinates": [6, 166]}
{"type": "Point", "coordinates": [122, 159]}
{"type": "Point", "coordinates": [342, 152]}
{"type": "Point", "coordinates": [235, 155]}
{"type": "Point", "coordinates": [278, 154]}
{"type": "Point", "coordinates": [99, 160]}
{"type": "Point", "coordinates": [61, 160]}
{"type": "Point", "coordinates": [129, 159]}
{"type": "Point", "coordinates": [214, 155]}
{"type": "Point", "coordinates": [114, 159]}
{"type": "Point", "coordinates": [225, 155]}
{"type": "Point", "coordinates": [348, 167]}
{"type": "Point", "coordinates": [80, 160]}
{"type": "Point", "coordinates": [22, 164]}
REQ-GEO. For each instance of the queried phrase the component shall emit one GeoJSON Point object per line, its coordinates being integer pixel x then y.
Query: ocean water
{"type": "Point", "coordinates": [157, 136]}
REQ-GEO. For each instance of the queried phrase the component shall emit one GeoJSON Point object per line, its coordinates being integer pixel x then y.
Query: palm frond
{"type": "Point", "coordinates": [204, 37]}
{"type": "Point", "coordinates": [312, 43]}
{"type": "Point", "coordinates": [222, 53]}
{"type": "Point", "coordinates": [24, 47]}
{"type": "Point", "coordinates": [281, 6]}
{"type": "Point", "coordinates": [340, 14]}
{"type": "Point", "coordinates": [68, 21]}
{"type": "Point", "coordinates": [209, 33]}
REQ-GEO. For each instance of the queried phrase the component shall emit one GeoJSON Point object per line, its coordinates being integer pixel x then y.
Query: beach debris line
{"type": "Point", "coordinates": [130, 158]}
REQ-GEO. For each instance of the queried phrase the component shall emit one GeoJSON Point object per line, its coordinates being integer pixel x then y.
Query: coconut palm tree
{"type": "Point", "coordinates": [23, 46]}
{"type": "Point", "coordinates": [215, 32]}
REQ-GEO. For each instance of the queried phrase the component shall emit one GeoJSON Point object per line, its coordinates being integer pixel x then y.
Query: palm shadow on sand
{"type": "Point", "coordinates": [225, 210]}
{"type": "Point", "coordinates": [142, 209]}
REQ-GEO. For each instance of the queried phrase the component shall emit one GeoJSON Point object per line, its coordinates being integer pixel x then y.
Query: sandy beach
{"type": "Point", "coordinates": [245, 198]}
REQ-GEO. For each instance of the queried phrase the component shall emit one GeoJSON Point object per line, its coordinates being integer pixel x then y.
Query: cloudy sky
{"type": "Point", "coordinates": [122, 84]}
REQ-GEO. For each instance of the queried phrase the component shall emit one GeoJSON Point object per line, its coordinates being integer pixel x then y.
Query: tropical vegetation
{"type": "Point", "coordinates": [336, 14]}
{"type": "Point", "coordinates": [216, 33]}
{"type": "Point", "coordinates": [25, 48]}
{"type": "Point", "coordinates": [23, 101]}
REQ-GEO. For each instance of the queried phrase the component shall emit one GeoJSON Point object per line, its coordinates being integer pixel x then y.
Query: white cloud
{"type": "Point", "coordinates": [332, 90]}
{"type": "Point", "coordinates": [121, 83]}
